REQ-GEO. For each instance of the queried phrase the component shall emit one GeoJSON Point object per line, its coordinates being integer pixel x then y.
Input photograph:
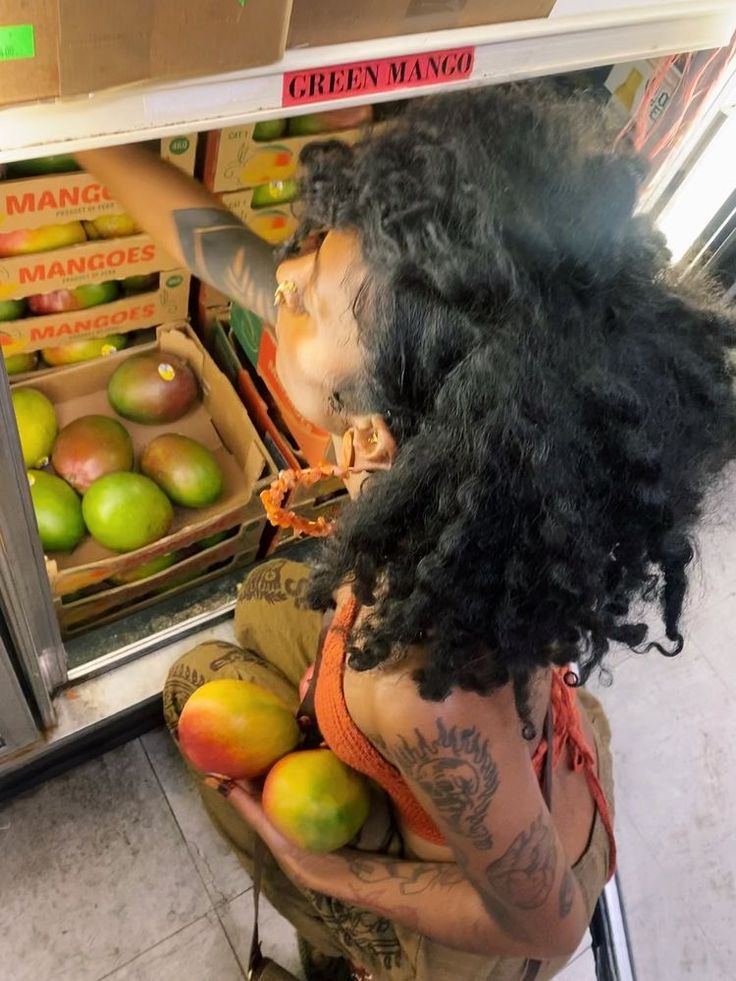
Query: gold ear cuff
{"type": "Point", "coordinates": [283, 290]}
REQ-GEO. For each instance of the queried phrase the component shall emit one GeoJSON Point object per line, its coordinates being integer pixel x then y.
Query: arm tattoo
{"type": "Point", "coordinates": [414, 877]}
{"type": "Point", "coordinates": [524, 875]}
{"type": "Point", "coordinates": [457, 772]}
{"type": "Point", "coordinates": [567, 893]}
{"type": "Point", "coordinates": [220, 250]}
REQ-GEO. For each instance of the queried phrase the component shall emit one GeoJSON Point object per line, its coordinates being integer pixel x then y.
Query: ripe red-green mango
{"type": "Point", "coordinates": [27, 240]}
{"type": "Point", "coordinates": [184, 469]}
{"type": "Point", "coordinates": [85, 349]}
{"type": "Point", "coordinates": [316, 800]}
{"type": "Point", "coordinates": [88, 448]}
{"type": "Point", "coordinates": [153, 388]}
{"type": "Point", "coordinates": [236, 728]}
{"type": "Point", "coordinates": [79, 298]}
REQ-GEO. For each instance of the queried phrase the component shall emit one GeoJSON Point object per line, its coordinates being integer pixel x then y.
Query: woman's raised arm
{"type": "Point", "coordinates": [189, 223]}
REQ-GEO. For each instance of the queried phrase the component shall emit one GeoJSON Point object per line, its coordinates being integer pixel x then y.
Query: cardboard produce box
{"type": "Point", "coordinates": [195, 565]}
{"type": "Point", "coordinates": [225, 352]}
{"type": "Point", "coordinates": [54, 48]}
{"type": "Point", "coordinates": [316, 22]}
{"type": "Point", "coordinates": [273, 223]}
{"type": "Point", "coordinates": [80, 265]}
{"type": "Point", "coordinates": [167, 302]}
{"type": "Point", "coordinates": [235, 160]}
{"type": "Point", "coordinates": [54, 199]}
{"type": "Point", "coordinates": [256, 341]}
{"type": "Point", "coordinates": [219, 421]}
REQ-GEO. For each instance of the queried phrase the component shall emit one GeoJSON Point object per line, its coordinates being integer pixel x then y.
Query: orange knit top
{"type": "Point", "coordinates": [346, 740]}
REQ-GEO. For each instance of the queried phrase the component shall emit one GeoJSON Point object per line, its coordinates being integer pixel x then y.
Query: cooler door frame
{"type": "Point", "coordinates": [25, 593]}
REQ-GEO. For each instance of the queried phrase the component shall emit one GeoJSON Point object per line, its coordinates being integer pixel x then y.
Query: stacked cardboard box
{"type": "Point", "coordinates": [57, 48]}
{"type": "Point", "coordinates": [254, 166]}
{"type": "Point", "coordinates": [56, 201]}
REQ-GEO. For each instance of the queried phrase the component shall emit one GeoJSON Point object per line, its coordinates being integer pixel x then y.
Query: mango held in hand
{"type": "Point", "coordinates": [153, 388]}
{"type": "Point", "coordinates": [315, 800]}
{"type": "Point", "coordinates": [184, 469]}
{"type": "Point", "coordinates": [236, 728]}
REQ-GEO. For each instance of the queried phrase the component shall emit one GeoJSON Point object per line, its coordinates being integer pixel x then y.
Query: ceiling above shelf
{"type": "Point", "coordinates": [316, 78]}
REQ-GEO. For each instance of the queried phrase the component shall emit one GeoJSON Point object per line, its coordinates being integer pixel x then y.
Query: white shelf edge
{"type": "Point", "coordinates": [503, 52]}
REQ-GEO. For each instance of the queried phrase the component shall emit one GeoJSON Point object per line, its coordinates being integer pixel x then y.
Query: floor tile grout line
{"type": "Point", "coordinates": [243, 967]}
{"type": "Point", "coordinates": [214, 903]}
{"type": "Point", "coordinates": [178, 826]}
{"type": "Point", "coordinates": [158, 943]}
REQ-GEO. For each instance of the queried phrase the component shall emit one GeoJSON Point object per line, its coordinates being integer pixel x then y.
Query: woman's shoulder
{"type": "Point", "coordinates": [386, 700]}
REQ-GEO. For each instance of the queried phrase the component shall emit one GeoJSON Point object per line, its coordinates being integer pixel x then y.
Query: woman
{"type": "Point", "coordinates": [531, 405]}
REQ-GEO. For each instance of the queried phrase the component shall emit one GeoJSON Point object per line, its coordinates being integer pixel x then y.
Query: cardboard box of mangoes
{"type": "Point", "coordinates": [234, 547]}
{"type": "Point", "coordinates": [73, 264]}
{"type": "Point", "coordinates": [54, 191]}
{"type": "Point", "coordinates": [216, 420]}
{"type": "Point", "coordinates": [267, 210]}
{"type": "Point", "coordinates": [112, 306]}
{"type": "Point", "coordinates": [247, 156]}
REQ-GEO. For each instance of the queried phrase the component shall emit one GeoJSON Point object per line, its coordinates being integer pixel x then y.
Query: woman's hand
{"type": "Point", "coordinates": [308, 869]}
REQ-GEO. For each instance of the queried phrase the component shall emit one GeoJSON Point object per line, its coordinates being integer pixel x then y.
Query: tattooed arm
{"type": "Point", "coordinates": [466, 761]}
{"type": "Point", "coordinates": [189, 223]}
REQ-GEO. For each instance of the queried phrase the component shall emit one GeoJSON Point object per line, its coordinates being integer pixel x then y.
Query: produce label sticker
{"type": "Point", "coordinates": [16, 42]}
{"type": "Point", "coordinates": [378, 75]}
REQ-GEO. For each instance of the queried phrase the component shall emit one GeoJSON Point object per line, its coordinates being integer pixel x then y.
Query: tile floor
{"type": "Point", "coordinates": [113, 872]}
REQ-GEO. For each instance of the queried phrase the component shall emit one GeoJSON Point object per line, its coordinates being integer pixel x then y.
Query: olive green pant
{"type": "Point", "coordinates": [277, 638]}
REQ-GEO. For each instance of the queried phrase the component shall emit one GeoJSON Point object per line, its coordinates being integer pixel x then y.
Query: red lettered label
{"type": "Point", "coordinates": [379, 75]}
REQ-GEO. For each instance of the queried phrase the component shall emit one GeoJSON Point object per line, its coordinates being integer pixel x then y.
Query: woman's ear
{"type": "Point", "coordinates": [373, 446]}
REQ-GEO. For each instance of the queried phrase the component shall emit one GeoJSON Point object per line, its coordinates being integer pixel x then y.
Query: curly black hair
{"type": "Point", "coordinates": [560, 399]}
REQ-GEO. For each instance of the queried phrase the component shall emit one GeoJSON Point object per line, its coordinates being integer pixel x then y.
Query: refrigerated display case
{"type": "Point", "coordinates": [60, 700]}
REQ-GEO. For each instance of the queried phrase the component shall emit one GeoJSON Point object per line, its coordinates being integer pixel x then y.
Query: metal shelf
{"type": "Point", "coordinates": [563, 42]}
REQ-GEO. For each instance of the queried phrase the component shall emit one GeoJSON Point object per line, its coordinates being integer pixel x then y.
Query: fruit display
{"type": "Point", "coordinates": [37, 426]}
{"type": "Point", "coordinates": [274, 192]}
{"type": "Point", "coordinates": [132, 285]}
{"type": "Point", "coordinates": [90, 447]}
{"type": "Point", "coordinates": [125, 511]}
{"type": "Point", "coordinates": [26, 240]}
{"type": "Point", "coordinates": [329, 121]}
{"type": "Point", "coordinates": [60, 163]}
{"type": "Point", "coordinates": [16, 364]}
{"type": "Point", "coordinates": [87, 349]}
{"type": "Point", "coordinates": [111, 226]}
{"type": "Point", "coordinates": [79, 298]}
{"type": "Point", "coordinates": [58, 512]}
{"type": "Point", "coordinates": [152, 390]}
{"type": "Point", "coordinates": [12, 309]}
{"type": "Point", "coordinates": [315, 800]}
{"type": "Point", "coordinates": [184, 469]}
{"type": "Point", "coordinates": [237, 728]}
